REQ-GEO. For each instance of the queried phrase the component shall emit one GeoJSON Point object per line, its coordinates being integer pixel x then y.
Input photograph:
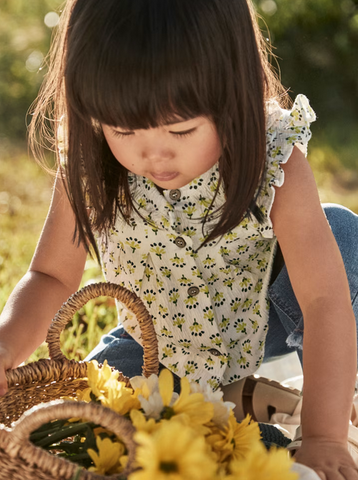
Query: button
{"type": "Point", "coordinates": [214, 352]}
{"type": "Point", "coordinates": [180, 242]}
{"type": "Point", "coordinates": [175, 194]}
{"type": "Point", "coordinates": [193, 291]}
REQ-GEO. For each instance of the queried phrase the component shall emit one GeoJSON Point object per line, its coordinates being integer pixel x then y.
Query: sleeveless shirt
{"type": "Point", "coordinates": [209, 306]}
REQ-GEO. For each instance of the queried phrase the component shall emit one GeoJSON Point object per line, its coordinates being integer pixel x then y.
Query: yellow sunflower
{"type": "Point", "coordinates": [261, 464]}
{"type": "Point", "coordinates": [173, 452]}
{"type": "Point", "coordinates": [108, 458]}
{"type": "Point", "coordinates": [140, 422]}
{"type": "Point", "coordinates": [191, 404]}
{"type": "Point", "coordinates": [234, 440]}
{"type": "Point", "coordinates": [104, 385]}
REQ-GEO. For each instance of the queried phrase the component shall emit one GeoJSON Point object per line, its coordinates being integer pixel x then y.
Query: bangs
{"type": "Point", "coordinates": [144, 63]}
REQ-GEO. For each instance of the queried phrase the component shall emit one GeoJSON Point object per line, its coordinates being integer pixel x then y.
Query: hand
{"type": "Point", "coordinates": [330, 460]}
{"type": "Point", "coordinates": [5, 364]}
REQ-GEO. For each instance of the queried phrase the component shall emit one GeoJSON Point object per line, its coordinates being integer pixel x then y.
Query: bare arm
{"type": "Point", "coordinates": [54, 274]}
{"type": "Point", "coordinates": [319, 281]}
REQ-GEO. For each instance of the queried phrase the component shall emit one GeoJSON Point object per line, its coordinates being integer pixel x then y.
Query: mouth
{"type": "Point", "coordinates": [164, 176]}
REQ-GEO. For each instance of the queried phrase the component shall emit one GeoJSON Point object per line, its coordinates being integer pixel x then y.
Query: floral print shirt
{"type": "Point", "coordinates": [209, 307]}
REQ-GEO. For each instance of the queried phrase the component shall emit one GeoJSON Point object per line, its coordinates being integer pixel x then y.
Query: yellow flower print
{"type": "Point", "coordinates": [205, 202]}
{"type": "Point", "coordinates": [166, 272]}
{"type": "Point", "coordinates": [213, 383]}
{"type": "Point", "coordinates": [166, 333]}
{"type": "Point", "coordinates": [209, 315]}
{"type": "Point", "coordinates": [165, 222]}
{"type": "Point", "coordinates": [173, 452]}
{"type": "Point", "coordinates": [167, 352]}
{"type": "Point", "coordinates": [255, 325]}
{"type": "Point", "coordinates": [256, 310]}
{"type": "Point", "coordinates": [174, 295]}
{"type": "Point", "coordinates": [214, 186]}
{"type": "Point", "coordinates": [163, 311]}
{"type": "Point", "coordinates": [224, 251]}
{"type": "Point", "coordinates": [148, 272]}
{"type": "Point", "coordinates": [149, 297]}
{"type": "Point", "coordinates": [133, 244]}
{"type": "Point", "coordinates": [228, 283]}
{"type": "Point", "coordinates": [118, 270]}
{"type": "Point", "coordinates": [177, 261]}
{"type": "Point", "coordinates": [142, 203]}
{"type": "Point", "coordinates": [276, 151]}
{"type": "Point", "coordinates": [209, 261]}
{"type": "Point", "coordinates": [107, 461]}
{"type": "Point", "coordinates": [179, 321]}
{"type": "Point", "coordinates": [230, 236]}
{"type": "Point", "coordinates": [247, 304]}
{"type": "Point", "coordinates": [191, 300]}
{"type": "Point", "coordinates": [190, 210]}
{"type": "Point", "coordinates": [173, 367]}
{"type": "Point", "coordinates": [213, 278]}
{"type": "Point", "coordinates": [158, 249]}
{"type": "Point", "coordinates": [189, 368]}
{"type": "Point", "coordinates": [259, 286]}
{"type": "Point", "coordinates": [196, 327]}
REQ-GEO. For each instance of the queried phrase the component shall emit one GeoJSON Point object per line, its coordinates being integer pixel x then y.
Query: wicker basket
{"type": "Point", "coordinates": [21, 460]}
{"type": "Point", "coordinates": [50, 379]}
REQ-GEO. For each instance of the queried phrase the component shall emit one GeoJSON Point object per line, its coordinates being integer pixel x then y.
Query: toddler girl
{"type": "Point", "coordinates": [180, 168]}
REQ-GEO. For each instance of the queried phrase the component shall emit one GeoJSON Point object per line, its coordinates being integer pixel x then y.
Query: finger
{"type": "Point", "coordinates": [321, 474]}
{"type": "Point", "coordinates": [349, 473]}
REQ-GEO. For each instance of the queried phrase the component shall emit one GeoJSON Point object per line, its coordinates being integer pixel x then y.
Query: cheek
{"type": "Point", "coordinates": [213, 148]}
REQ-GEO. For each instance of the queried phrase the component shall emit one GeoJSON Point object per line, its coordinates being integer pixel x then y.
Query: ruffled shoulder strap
{"type": "Point", "coordinates": [285, 129]}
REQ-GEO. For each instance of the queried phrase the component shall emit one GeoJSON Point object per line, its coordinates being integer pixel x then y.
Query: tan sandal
{"type": "Point", "coordinates": [261, 398]}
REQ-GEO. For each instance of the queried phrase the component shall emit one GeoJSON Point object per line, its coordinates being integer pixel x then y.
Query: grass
{"type": "Point", "coordinates": [25, 192]}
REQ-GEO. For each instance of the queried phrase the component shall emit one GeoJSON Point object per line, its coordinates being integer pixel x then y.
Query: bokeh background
{"type": "Point", "coordinates": [316, 48]}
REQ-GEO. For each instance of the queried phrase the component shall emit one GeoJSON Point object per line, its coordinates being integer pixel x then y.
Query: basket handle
{"type": "Point", "coordinates": [62, 409]}
{"type": "Point", "coordinates": [129, 299]}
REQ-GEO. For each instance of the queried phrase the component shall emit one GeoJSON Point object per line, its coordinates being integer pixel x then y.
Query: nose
{"type": "Point", "coordinates": [157, 150]}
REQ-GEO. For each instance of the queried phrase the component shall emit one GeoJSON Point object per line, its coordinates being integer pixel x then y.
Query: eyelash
{"type": "Point", "coordinates": [176, 134]}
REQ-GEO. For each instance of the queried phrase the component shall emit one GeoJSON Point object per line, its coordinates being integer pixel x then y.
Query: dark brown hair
{"type": "Point", "coordinates": [138, 63]}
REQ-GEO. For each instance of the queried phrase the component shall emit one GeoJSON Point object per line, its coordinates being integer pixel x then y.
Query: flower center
{"type": "Point", "coordinates": [168, 413]}
{"type": "Point", "coordinates": [168, 467]}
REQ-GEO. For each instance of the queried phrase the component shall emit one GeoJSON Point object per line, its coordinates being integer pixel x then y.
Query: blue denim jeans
{"type": "Point", "coordinates": [285, 333]}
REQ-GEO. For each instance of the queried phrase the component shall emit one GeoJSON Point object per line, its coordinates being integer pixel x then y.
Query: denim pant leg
{"type": "Point", "coordinates": [286, 327]}
{"type": "Point", "coordinates": [124, 354]}
{"type": "Point", "coordinates": [121, 352]}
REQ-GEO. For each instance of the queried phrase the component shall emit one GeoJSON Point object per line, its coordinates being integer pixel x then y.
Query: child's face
{"type": "Point", "coordinates": [170, 155]}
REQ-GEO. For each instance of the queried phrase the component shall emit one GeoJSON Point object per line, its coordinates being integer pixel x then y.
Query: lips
{"type": "Point", "coordinates": [164, 176]}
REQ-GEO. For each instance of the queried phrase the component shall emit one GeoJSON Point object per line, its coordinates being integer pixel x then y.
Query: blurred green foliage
{"type": "Point", "coordinates": [316, 45]}
{"type": "Point", "coordinates": [24, 43]}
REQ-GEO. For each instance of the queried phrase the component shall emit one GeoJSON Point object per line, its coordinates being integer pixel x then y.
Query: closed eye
{"type": "Point", "coordinates": [121, 134]}
{"type": "Point", "coordinates": [184, 134]}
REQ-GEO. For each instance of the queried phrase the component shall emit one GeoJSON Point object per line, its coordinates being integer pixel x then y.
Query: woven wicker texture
{"type": "Point", "coordinates": [50, 379]}
{"type": "Point", "coordinates": [21, 460]}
